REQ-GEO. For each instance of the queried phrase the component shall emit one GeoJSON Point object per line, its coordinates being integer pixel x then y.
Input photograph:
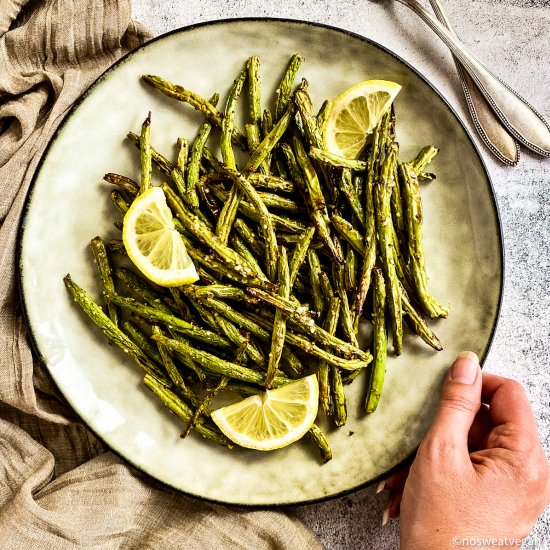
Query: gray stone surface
{"type": "Point", "coordinates": [513, 38]}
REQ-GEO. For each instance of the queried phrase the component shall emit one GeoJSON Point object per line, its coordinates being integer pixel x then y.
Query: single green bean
{"type": "Point", "coordinates": [163, 164]}
{"type": "Point", "coordinates": [418, 324]}
{"type": "Point", "coordinates": [380, 343]}
{"type": "Point", "coordinates": [346, 320]}
{"type": "Point", "coordinates": [336, 161]}
{"type": "Point", "coordinates": [323, 370]}
{"type": "Point", "coordinates": [178, 173]}
{"type": "Point", "coordinates": [229, 210]}
{"type": "Point", "coordinates": [326, 287]}
{"type": "Point", "coordinates": [346, 231]}
{"type": "Point", "coordinates": [349, 378]}
{"type": "Point", "coordinates": [128, 184]}
{"type": "Point", "coordinates": [319, 438]}
{"type": "Point", "coordinates": [424, 157]}
{"type": "Point", "coordinates": [211, 160]}
{"type": "Point", "coordinates": [382, 200]}
{"type": "Point", "coordinates": [203, 406]}
{"type": "Point", "coordinates": [413, 211]}
{"type": "Point", "coordinates": [254, 90]}
{"type": "Point", "coordinates": [119, 202]}
{"type": "Point", "coordinates": [241, 248]}
{"type": "Point", "coordinates": [348, 189]}
{"type": "Point", "coordinates": [300, 252]}
{"type": "Point", "coordinates": [116, 246]}
{"type": "Point", "coordinates": [267, 126]}
{"type": "Point", "coordinates": [249, 237]}
{"type": "Point", "coordinates": [285, 86]}
{"type": "Point", "coordinates": [350, 270]}
{"type": "Point", "coordinates": [105, 274]}
{"type": "Point", "coordinates": [279, 324]}
{"type": "Point", "coordinates": [271, 200]}
{"type": "Point", "coordinates": [145, 147]}
{"type": "Point", "coordinates": [398, 216]}
{"type": "Point", "coordinates": [253, 136]}
{"type": "Point", "coordinates": [196, 101]}
{"type": "Point", "coordinates": [197, 151]}
{"type": "Point", "coordinates": [271, 183]}
{"type": "Point", "coordinates": [308, 119]}
{"type": "Point", "coordinates": [322, 116]}
{"type": "Point", "coordinates": [269, 142]}
{"type": "Point", "coordinates": [183, 154]}
{"type": "Point", "coordinates": [314, 279]}
{"type": "Point", "coordinates": [338, 398]}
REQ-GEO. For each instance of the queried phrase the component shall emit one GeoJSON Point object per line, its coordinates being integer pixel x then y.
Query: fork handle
{"type": "Point", "coordinates": [517, 116]}
{"type": "Point", "coordinates": [487, 124]}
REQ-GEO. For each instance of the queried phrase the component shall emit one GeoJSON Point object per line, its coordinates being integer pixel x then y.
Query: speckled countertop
{"type": "Point", "coordinates": [513, 38]}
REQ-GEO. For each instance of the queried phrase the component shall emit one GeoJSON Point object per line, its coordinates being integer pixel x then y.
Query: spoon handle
{"type": "Point", "coordinates": [517, 116]}
{"type": "Point", "coordinates": [488, 126]}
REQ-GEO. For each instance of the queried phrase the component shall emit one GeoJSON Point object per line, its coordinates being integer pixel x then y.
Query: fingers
{"type": "Point", "coordinates": [481, 427]}
{"type": "Point", "coordinates": [393, 506]}
{"type": "Point", "coordinates": [459, 404]}
{"type": "Point", "coordinates": [508, 401]}
{"type": "Point", "coordinates": [395, 484]}
{"type": "Point", "coordinates": [397, 479]}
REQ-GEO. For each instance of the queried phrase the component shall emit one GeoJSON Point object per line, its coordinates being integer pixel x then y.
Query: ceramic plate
{"type": "Point", "coordinates": [68, 205]}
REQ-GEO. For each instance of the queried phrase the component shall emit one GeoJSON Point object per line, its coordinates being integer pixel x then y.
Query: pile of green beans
{"type": "Point", "coordinates": [293, 249]}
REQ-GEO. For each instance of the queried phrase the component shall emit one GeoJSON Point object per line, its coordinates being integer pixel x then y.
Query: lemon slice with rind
{"type": "Point", "coordinates": [354, 115]}
{"type": "Point", "coordinates": [273, 419]}
{"type": "Point", "coordinates": [153, 244]}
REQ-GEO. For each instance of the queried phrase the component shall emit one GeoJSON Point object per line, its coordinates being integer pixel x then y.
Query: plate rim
{"type": "Point", "coordinates": [89, 90]}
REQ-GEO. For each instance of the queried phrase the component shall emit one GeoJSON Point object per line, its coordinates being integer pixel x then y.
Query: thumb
{"type": "Point", "coordinates": [460, 400]}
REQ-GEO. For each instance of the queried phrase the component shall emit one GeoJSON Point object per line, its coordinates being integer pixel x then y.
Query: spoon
{"type": "Point", "coordinates": [488, 126]}
{"type": "Point", "coordinates": [517, 116]}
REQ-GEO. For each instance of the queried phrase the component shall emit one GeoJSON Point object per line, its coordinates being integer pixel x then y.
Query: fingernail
{"type": "Point", "coordinates": [465, 367]}
{"type": "Point", "coordinates": [380, 486]}
{"type": "Point", "coordinates": [386, 514]}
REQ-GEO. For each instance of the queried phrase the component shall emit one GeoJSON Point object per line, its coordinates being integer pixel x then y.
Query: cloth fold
{"type": "Point", "coordinates": [59, 487]}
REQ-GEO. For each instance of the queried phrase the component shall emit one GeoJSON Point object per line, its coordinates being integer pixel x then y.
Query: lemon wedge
{"type": "Point", "coordinates": [354, 115]}
{"type": "Point", "coordinates": [153, 243]}
{"type": "Point", "coordinates": [273, 419]}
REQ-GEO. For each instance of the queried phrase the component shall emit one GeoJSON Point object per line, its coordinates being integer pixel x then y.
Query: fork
{"type": "Point", "coordinates": [516, 115]}
{"type": "Point", "coordinates": [488, 126]}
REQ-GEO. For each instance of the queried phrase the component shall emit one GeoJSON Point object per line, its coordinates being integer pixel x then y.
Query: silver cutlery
{"type": "Point", "coordinates": [517, 116]}
{"type": "Point", "coordinates": [488, 126]}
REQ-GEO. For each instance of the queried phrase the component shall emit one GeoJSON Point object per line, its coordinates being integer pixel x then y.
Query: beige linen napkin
{"type": "Point", "coordinates": [59, 488]}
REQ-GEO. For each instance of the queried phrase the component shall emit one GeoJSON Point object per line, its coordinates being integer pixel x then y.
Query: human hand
{"type": "Point", "coordinates": [479, 473]}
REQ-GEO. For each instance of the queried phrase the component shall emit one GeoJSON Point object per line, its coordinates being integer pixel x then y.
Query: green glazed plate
{"type": "Point", "coordinates": [68, 205]}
